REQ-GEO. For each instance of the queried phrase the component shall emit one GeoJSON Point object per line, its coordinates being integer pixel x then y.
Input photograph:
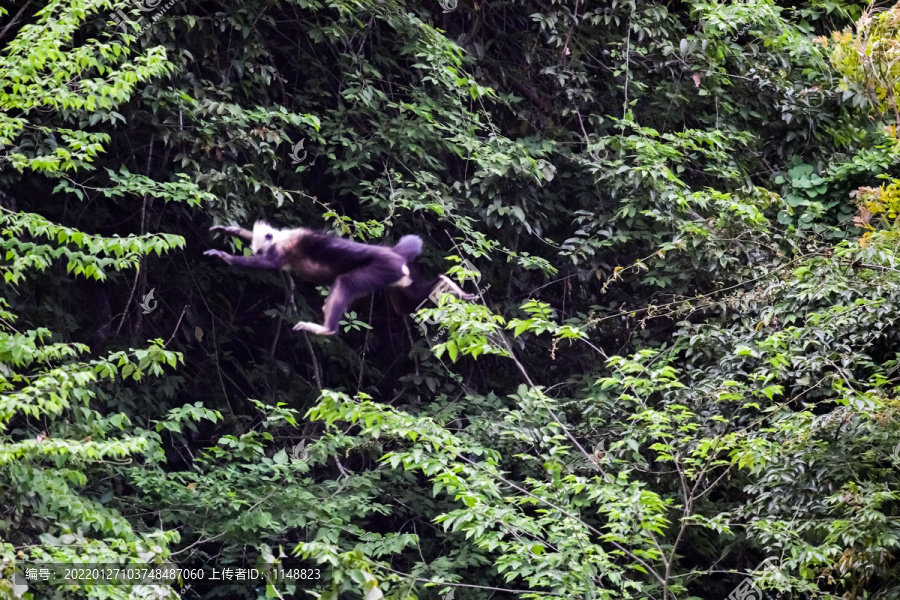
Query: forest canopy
{"type": "Point", "coordinates": [679, 378]}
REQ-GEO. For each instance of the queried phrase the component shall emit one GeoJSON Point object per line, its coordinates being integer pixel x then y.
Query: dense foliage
{"type": "Point", "coordinates": [681, 376]}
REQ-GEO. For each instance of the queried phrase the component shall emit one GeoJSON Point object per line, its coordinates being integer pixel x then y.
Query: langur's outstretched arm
{"type": "Point", "coordinates": [240, 232]}
{"type": "Point", "coordinates": [260, 261]}
{"type": "Point", "coordinates": [269, 260]}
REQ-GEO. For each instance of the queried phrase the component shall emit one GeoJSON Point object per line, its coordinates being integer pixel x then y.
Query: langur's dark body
{"type": "Point", "coordinates": [352, 269]}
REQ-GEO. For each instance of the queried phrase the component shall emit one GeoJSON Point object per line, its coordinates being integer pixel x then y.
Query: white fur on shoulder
{"type": "Point", "coordinates": [264, 235]}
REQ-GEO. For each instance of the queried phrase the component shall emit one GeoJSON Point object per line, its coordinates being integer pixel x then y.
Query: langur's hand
{"type": "Point", "coordinates": [230, 230]}
{"type": "Point", "coordinates": [217, 253]}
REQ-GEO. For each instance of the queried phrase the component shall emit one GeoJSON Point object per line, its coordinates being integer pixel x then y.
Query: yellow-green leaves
{"type": "Point", "coordinates": [91, 256]}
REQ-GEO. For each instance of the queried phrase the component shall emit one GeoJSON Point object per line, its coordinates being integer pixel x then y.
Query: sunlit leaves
{"type": "Point", "coordinates": [87, 255]}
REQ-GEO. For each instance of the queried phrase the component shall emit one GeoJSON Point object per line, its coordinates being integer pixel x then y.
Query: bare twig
{"type": "Point", "coordinates": [15, 19]}
{"type": "Point", "coordinates": [175, 330]}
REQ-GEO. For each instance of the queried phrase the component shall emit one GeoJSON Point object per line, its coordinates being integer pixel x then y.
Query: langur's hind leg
{"type": "Point", "coordinates": [346, 289]}
{"type": "Point", "coordinates": [455, 289]}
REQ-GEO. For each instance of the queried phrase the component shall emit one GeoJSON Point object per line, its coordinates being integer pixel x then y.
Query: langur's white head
{"type": "Point", "coordinates": [264, 235]}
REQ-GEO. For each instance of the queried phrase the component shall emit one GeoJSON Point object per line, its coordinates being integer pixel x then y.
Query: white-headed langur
{"type": "Point", "coordinates": [352, 269]}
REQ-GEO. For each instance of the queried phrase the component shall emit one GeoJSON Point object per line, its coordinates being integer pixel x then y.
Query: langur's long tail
{"type": "Point", "coordinates": [407, 299]}
{"type": "Point", "coordinates": [409, 247]}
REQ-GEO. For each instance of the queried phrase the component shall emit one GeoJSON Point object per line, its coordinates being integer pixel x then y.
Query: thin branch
{"type": "Point", "coordinates": [570, 32]}
{"type": "Point", "coordinates": [130, 298]}
{"type": "Point", "coordinates": [198, 542]}
{"type": "Point", "coordinates": [312, 354]}
{"type": "Point", "coordinates": [175, 330]}
{"type": "Point", "coordinates": [15, 19]}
